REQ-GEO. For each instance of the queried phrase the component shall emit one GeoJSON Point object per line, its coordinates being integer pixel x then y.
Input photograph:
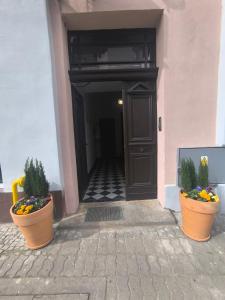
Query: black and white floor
{"type": "Point", "coordinates": [107, 182]}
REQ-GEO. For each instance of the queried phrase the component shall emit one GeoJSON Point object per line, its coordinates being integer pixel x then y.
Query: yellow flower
{"type": "Point", "coordinates": [216, 198]}
{"type": "Point", "coordinates": [19, 212]}
{"type": "Point", "coordinates": [29, 207]}
{"type": "Point", "coordinates": [22, 206]}
{"type": "Point", "coordinates": [204, 162]}
{"type": "Point", "coordinates": [203, 194]}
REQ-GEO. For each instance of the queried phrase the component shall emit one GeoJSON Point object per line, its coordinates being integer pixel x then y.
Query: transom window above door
{"type": "Point", "coordinates": [112, 49]}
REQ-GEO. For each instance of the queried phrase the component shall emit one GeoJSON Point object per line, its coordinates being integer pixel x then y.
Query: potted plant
{"type": "Point", "coordinates": [33, 214]}
{"type": "Point", "coordinates": [199, 204]}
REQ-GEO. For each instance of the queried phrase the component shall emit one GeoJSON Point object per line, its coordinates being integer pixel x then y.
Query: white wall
{"type": "Point", "coordinates": [220, 120]}
{"type": "Point", "coordinates": [27, 117]}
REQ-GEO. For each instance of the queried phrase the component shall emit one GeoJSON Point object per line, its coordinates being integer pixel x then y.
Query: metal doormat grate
{"type": "Point", "coordinates": [97, 214]}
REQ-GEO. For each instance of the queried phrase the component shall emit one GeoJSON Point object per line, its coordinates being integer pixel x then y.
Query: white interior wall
{"type": "Point", "coordinates": [89, 131]}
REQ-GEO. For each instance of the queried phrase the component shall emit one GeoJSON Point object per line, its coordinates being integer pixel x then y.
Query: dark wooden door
{"type": "Point", "coordinates": [140, 140]}
{"type": "Point", "coordinates": [80, 141]}
{"type": "Point", "coordinates": [108, 138]}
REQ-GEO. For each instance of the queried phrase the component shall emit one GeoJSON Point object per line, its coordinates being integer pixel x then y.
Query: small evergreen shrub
{"type": "Point", "coordinates": [203, 174]}
{"type": "Point", "coordinates": [185, 176]}
{"type": "Point", "coordinates": [36, 189]}
{"type": "Point", "coordinates": [188, 175]}
{"type": "Point", "coordinates": [203, 192]}
{"type": "Point", "coordinates": [193, 174]}
{"type": "Point", "coordinates": [35, 183]}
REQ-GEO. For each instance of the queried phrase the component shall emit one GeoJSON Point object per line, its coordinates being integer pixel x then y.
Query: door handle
{"type": "Point", "coordinates": [160, 124]}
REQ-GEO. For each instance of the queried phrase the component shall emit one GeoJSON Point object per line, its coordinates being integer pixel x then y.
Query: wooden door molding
{"type": "Point", "coordinates": [80, 141]}
{"type": "Point", "coordinates": [140, 139]}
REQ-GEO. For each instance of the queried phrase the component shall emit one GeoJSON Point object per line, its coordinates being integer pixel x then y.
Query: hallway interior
{"type": "Point", "coordinates": [100, 150]}
{"type": "Point", "coordinates": [107, 182]}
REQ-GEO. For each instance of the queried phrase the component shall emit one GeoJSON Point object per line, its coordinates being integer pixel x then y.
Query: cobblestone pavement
{"type": "Point", "coordinates": [120, 263]}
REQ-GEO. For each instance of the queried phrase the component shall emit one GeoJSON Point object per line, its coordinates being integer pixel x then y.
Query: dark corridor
{"type": "Point", "coordinates": [108, 138]}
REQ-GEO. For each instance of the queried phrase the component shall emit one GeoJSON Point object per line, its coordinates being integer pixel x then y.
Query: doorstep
{"type": "Point", "coordinates": [120, 213]}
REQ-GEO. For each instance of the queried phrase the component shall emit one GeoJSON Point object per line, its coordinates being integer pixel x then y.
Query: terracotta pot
{"type": "Point", "coordinates": [197, 218]}
{"type": "Point", "coordinates": [36, 227]}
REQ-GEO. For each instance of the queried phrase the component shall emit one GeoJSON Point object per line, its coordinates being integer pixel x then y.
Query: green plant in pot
{"type": "Point", "coordinates": [199, 203]}
{"type": "Point", "coordinates": [33, 214]}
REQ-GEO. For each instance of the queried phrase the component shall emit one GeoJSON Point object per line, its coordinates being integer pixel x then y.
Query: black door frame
{"type": "Point", "coordinates": [85, 48]}
{"type": "Point", "coordinates": [119, 75]}
{"type": "Point", "coordinates": [80, 141]}
{"type": "Point", "coordinates": [77, 76]}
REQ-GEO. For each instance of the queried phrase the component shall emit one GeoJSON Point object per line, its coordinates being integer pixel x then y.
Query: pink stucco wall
{"type": "Point", "coordinates": [187, 56]}
{"type": "Point", "coordinates": [190, 62]}
{"type": "Point", "coordinates": [63, 106]}
{"type": "Point", "coordinates": [188, 36]}
{"type": "Point", "coordinates": [161, 171]}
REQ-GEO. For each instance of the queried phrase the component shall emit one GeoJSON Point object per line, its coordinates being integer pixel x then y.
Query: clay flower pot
{"type": "Point", "coordinates": [197, 218]}
{"type": "Point", "coordinates": [36, 227]}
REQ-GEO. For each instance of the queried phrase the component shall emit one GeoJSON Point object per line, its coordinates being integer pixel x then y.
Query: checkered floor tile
{"type": "Point", "coordinates": [107, 183]}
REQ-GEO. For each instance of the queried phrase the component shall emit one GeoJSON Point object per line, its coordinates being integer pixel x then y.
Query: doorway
{"type": "Point", "coordinates": [103, 145]}
{"type": "Point", "coordinates": [116, 140]}
{"type": "Point", "coordinates": [104, 83]}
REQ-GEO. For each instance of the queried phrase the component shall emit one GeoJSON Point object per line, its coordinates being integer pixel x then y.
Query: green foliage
{"type": "Point", "coordinates": [192, 173]}
{"type": "Point", "coordinates": [188, 175]}
{"type": "Point", "coordinates": [35, 181]}
{"type": "Point", "coordinates": [185, 176]}
{"type": "Point", "coordinates": [193, 194]}
{"type": "Point", "coordinates": [27, 206]}
{"type": "Point", "coordinates": [203, 174]}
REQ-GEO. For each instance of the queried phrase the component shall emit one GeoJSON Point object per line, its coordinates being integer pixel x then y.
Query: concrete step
{"type": "Point", "coordinates": [119, 214]}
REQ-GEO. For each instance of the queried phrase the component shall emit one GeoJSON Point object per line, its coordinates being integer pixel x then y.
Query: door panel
{"type": "Point", "coordinates": [140, 140]}
{"type": "Point", "coordinates": [139, 110]}
{"type": "Point", "coordinates": [80, 141]}
{"type": "Point", "coordinates": [139, 165]}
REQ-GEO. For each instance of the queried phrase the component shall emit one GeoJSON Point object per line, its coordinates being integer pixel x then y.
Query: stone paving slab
{"type": "Point", "coordinates": [130, 263]}
{"type": "Point", "coordinates": [61, 287]}
{"type": "Point", "coordinates": [116, 287]}
{"type": "Point", "coordinates": [113, 263]}
{"type": "Point", "coordinates": [62, 297]}
{"type": "Point", "coordinates": [23, 297]}
{"type": "Point", "coordinates": [47, 297]}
